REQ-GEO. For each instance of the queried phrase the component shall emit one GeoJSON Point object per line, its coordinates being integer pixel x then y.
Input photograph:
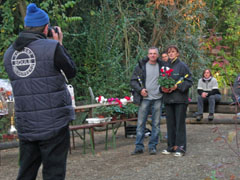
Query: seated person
{"type": "Point", "coordinates": [236, 90]}
{"type": "Point", "coordinates": [208, 91]}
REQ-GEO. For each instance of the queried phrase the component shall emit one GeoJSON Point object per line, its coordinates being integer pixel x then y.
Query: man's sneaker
{"type": "Point", "coordinates": [168, 151]}
{"type": "Point", "coordinates": [152, 151]}
{"type": "Point", "coordinates": [137, 151]}
{"type": "Point", "coordinates": [178, 154]}
{"type": "Point", "coordinates": [199, 117]}
{"type": "Point", "coordinates": [210, 116]}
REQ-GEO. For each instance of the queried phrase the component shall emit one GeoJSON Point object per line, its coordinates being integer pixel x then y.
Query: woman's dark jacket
{"type": "Point", "coordinates": [180, 95]}
{"type": "Point", "coordinates": [139, 77]}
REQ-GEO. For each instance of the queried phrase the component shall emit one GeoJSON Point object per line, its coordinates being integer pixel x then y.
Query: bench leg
{"type": "Point", "coordinates": [70, 150]}
{"type": "Point", "coordinates": [114, 132]}
{"type": "Point", "coordinates": [73, 140]}
{"type": "Point", "coordinates": [84, 141]}
{"type": "Point", "coordinates": [113, 137]}
{"type": "Point", "coordinates": [106, 138]}
{"type": "Point", "coordinates": [125, 126]}
{"type": "Point", "coordinates": [91, 132]}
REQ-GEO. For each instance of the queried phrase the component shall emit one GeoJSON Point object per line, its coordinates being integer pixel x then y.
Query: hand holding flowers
{"type": "Point", "coordinates": [167, 83]}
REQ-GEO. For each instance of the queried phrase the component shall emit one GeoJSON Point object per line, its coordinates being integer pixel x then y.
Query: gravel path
{"type": "Point", "coordinates": [206, 158]}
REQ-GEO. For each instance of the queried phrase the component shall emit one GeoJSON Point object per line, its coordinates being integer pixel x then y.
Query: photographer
{"type": "Point", "coordinates": [43, 107]}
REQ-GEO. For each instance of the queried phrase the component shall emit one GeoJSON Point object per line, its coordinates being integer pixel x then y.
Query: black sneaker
{"type": "Point", "coordinates": [210, 116]}
{"type": "Point", "coordinates": [137, 151]}
{"type": "Point", "coordinates": [152, 151]}
{"type": "Point", "coordinates": [199, 117]}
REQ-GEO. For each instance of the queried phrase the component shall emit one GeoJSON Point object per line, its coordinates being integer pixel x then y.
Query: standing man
{"type": "Point", "coordinates": [43, 107]}
{"type": "Point", "coordinates": [146, 93]}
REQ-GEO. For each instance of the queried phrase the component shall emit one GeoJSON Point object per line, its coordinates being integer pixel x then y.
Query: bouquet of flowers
{"type": "Point", "coordinates": [164, 79]}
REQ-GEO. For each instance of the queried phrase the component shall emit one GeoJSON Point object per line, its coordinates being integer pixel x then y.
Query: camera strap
{"type": "Point", "coordinates": [70, 88]}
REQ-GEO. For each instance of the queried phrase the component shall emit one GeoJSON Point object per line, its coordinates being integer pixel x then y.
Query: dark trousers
{"type": "Point", "coordinates": [176, 126]}
{"type": "Point", "coordinates": [51, 153]}
{"type": "Point", "coordinates": [211, 103]}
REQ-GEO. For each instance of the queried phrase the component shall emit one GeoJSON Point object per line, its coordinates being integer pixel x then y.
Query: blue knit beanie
{"type": "Point", "coordinates": [35, 16]}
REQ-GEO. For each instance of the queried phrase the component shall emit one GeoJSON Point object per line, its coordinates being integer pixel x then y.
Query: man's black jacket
{"type": "Point", "coordinates": [139, 77]}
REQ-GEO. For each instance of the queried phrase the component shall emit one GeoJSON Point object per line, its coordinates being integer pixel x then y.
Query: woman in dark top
{"type": "Point", "coordinates": [176, 101]}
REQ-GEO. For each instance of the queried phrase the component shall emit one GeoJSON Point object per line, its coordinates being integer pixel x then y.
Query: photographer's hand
{"type": "Point", "coordinates": [58, 36]}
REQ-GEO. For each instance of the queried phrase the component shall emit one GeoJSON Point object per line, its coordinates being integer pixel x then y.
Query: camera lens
{"type": "Point", "coordinates": [50, 31]}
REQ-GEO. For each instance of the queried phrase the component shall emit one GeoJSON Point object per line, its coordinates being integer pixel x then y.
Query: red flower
{"type": "Point", "coordinates": [99, 98]}
{"type": "Point", "coordinates": [169, 72]}
{"type": "Point", "coordinates": [165, 79]}
{"type": "Point", "coordinates": [127, 98]}
{"type": "Point", "coordinates": [162, 70]}
{"type": "Point", "coordinates": [119, 102]}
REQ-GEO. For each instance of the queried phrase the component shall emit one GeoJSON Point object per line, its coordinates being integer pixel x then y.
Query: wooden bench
{"type": "Point", "coordinates": [74, 128]}
{"type": "Point", "coordinates": [220, 107]}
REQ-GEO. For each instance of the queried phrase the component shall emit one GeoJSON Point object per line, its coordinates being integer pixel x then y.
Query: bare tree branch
{"type": "Point", "coordinates": [22, 8]}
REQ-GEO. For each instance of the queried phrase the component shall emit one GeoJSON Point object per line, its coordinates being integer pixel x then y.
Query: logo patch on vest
{"type": "Point", "coordinates": [23, 62]}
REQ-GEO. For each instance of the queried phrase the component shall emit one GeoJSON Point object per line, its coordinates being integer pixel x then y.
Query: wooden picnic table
{"type": "Point", "coordinates": [89, 108]}
{"type": "Point", "coordinates": [91, 127]}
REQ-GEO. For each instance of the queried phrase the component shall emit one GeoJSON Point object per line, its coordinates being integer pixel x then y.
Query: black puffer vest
{"type": "Point", "coordinates": [42, 102]}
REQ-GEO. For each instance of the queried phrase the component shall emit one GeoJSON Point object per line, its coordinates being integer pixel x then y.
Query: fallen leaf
{"type": "Point", "coordinates": [231, 135]}
{"type": "Point", "coordinates": [218, 138]}
{"type": "Point", "coordinates": [214, 129]}
{"type": "Point", "coordinates": [207, 178]}
{"type": "Point", "coordinates": [232, 177]}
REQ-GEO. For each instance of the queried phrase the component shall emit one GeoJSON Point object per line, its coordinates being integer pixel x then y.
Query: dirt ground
{"type": "Point", "coordinates": [208, 157]}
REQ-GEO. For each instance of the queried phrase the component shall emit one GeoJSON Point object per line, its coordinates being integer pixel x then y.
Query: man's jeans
{"type": "Point", "coordinates": [211, 103]}
{"type": "Point", "coordinates": [147, 106]}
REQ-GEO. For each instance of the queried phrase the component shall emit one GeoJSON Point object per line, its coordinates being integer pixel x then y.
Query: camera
{"type": "Point", "coordinates": [50, 31]}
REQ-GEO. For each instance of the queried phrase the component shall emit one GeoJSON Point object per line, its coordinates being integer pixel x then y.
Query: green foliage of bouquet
{"type": "Point", "coordinates": [165, 80]}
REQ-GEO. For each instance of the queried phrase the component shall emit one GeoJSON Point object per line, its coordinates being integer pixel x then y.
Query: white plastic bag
{"type": "Point", "coordinates": [71, 91]}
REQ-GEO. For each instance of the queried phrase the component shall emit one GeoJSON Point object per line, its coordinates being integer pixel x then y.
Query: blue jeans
{"type": "Point", "coordinates": [145, 107]}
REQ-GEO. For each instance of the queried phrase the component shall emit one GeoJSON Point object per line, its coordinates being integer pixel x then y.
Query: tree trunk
{"type": "Point", "coordinates": [22, 8]}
